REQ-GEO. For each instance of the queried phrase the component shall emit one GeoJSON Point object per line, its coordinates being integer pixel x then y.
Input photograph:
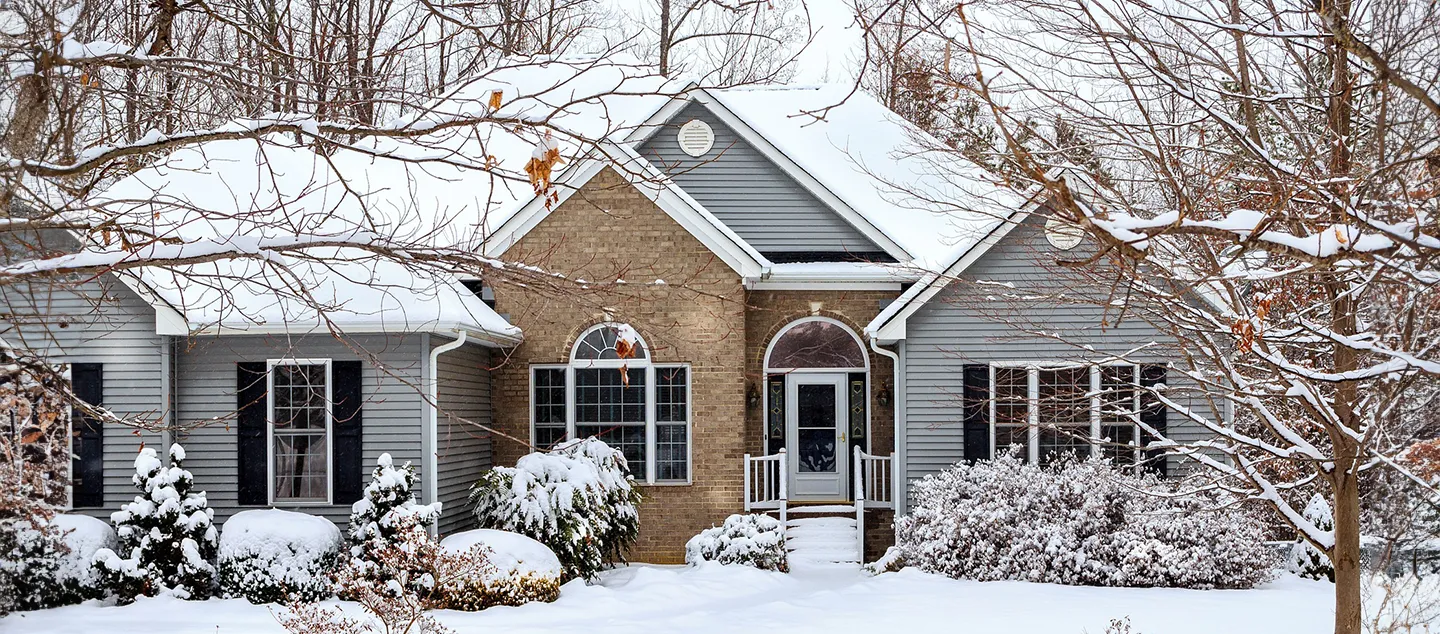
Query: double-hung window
{"type": "Point", "coordinates": [611, 390]}
{"type": "Point", "coordinates": [1048, 412]}
{"type": "Point", "coordinates": [300, 444]}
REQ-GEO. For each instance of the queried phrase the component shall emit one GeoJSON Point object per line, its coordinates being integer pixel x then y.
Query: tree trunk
{"type": "Point", "coordinates": [1345, 555]}
{"type": "Point", "coordinates": [665, 37]}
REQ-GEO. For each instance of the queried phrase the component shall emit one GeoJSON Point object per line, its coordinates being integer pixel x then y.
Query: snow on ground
{"type": "Point", "coordinates": [713, 598]}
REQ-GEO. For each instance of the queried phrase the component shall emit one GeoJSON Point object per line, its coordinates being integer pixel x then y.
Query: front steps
{"type": "Point", "coordinates": [820, 542]}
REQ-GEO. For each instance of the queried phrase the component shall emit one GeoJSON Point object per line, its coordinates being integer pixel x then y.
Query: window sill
{"type": "Point", "coordinates": [668, 483]}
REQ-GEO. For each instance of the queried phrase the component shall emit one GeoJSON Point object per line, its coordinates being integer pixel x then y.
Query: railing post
{"type": "Point", "coordinates": [859, 507]}
{"type": "Point", "coordinates": [747, 483]}
{"type": "Point", "coordinates": [784, 492]}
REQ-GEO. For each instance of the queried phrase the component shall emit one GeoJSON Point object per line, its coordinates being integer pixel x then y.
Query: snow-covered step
{"type": "Point", "coordinates": [819, 541]}
{"type": "Point", "coordinates": [820, 509]}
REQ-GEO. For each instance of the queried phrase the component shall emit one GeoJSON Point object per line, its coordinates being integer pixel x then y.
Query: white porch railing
{"type": "Point", "coordinates": [765, 478]}
{"type": "Point", "coordinates": [874, 488]}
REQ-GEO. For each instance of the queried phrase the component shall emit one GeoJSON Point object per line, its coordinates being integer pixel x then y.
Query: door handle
{"type": "Point", "coordinates": [842, 437]}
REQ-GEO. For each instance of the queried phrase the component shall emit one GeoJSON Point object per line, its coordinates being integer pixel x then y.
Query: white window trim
{"type": "Point", "coordinates": [270, 366]}
{"type": "Point", "coordinates": [649, 366]}
{"type": "Point", "coordinates": [1032, 412]}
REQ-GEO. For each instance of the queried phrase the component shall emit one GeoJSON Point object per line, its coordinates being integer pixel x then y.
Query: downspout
{"type": "Point", "coordinates": [897, 474]}
{"type": "Point", "coordinates": [432, 423]}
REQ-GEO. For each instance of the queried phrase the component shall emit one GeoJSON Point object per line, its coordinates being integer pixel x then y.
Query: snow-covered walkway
{"type": "Point", "coordinates": [715, 598]}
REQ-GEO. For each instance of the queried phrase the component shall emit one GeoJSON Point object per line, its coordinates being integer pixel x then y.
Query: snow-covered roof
{"type": "Point", "coordinates": [891, 174]}
{"type": "Point", "coordinates": [447, 189]}
{"type": "Point", "coordinates": [458, 185]}
{"type": "Point", "coordinates": [240, 196]}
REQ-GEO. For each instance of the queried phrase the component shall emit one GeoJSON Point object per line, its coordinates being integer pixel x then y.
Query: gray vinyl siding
{"type": "Point", "coordinates": [749, 193]}
{"type": "Point", "coordinates": [984, 323]}
{"type": "Point", "coordinates": [463, 449]}
{"type": "Point", "coordinates": [98, 320]}
{"type": "Point", "coordinates": [391, 380]}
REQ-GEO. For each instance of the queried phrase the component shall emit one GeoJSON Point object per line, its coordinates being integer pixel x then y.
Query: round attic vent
{"type": "Point", "coordinates": [696, 138]}
{"type": "Point", "coordinates": [1063, 235]}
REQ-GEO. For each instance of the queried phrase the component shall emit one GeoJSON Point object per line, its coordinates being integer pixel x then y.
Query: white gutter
{"type": "Point", "coordinates": [897, 475]}
{"type": "Point", "coordinates": [432, 427]}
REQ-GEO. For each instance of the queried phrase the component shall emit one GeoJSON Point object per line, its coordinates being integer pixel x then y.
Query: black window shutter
{"type": "Point", "coordinates": [976, 401]}
{"type": "Point", "coordinates": [349, 475]}
{"type": "Point", "coordinates": [87, 380]}
{"type": "Point", "coordinates": [251, 410]}
{"type": "Point", "coordinates": [1152, 413]}
{"type": "Point", "coordinates": [775, 415]}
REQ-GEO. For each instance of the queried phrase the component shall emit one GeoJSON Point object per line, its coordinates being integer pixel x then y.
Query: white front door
{"type": "Point", "coordinates": [815, 427]}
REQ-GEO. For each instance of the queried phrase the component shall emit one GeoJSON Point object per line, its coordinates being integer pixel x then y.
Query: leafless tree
{"type": "Point", "coordinates": [1263, 177]}
{"type": "Point", "coordinates": [747, 41]}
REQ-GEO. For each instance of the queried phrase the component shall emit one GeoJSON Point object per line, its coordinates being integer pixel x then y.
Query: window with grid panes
{"type": "Point", "coordinates": [1069, 406]}
{"type": "Point", "coordinates": [300, 416]}
{"type": "Point", "coordinates": [611, 391]}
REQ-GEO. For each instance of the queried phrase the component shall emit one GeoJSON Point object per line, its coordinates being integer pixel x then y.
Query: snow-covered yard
{"type": "Point", "coordinates": [715, 598]}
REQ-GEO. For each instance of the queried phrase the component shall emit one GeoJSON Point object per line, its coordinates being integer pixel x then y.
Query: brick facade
{"type": "Point", "coordinates": [609, 228]}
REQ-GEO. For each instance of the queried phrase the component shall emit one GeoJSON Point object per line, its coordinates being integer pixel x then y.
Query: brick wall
{"type": "Point", "coordinates": [609, 229]}
{"type": "Point", "coordinates": [703, 316]}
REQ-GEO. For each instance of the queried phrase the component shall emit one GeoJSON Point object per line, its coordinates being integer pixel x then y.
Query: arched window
{"type": "Point", "coordinates": [816, 343]}
{"type": "Point", "coordinates": [610, 390]}
{"type": "Point", "coordinates": [609, 342]}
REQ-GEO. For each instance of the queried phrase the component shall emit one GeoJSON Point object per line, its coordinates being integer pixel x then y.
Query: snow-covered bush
{"type": "Point", "coordinates": [167, 535]}
{"type": "Point", "coordinates": [892, 561]}
{"type": "Point", "coordinates": [757, 541]}
{"type": "Point", "coordinates": [519, 570]}
{"type": "Point", "coordinates": [1077, 523]}
{"type": "Point", "coordinates": [31, 551]}
{"type": "Point", "coordinates": [387, 512]}
{"type": "Point", "coordinates": [1305, 559]}
{"type": "Point", "coordinates": [578, 499]}
{"type": "Point", "coordinates": [84, 536]}
{"type": "Point", "coordinates": [271, 556]}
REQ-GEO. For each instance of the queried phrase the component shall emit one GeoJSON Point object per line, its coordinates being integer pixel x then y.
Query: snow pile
{"type": "Point", "coordinates": [1082, 523]}
{"type": "Point", "coordinates": [167, 535]}
{"type": "Point", "coordinates": [270, 556]}
{"type": "Point", "coordinates": [1305, 559]}
{"type": "Point", "coordinates": [741, 600]}
{"type": "Point", "coordinates": [519, 570]}
{"type": "Point", "coordinates": [757, 541]}
{"type": "Point", "coordinates": [84, 536]}
{"type": "Point", "coordinates": [578, 499]}
{"type": "Point", "coordinates": [386, 515]}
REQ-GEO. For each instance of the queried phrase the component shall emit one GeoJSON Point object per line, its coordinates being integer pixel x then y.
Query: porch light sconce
{"type": "Point", "coordinates": [752, 396]}
{"type": "Point", "coordinates": [883, 396]}
{"type": "Point", "coordinates": [815, 307]}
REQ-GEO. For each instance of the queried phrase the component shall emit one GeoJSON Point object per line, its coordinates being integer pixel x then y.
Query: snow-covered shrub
{"type": "Point", "coordinates": [892, 561]}
{"type": "Point", "coordinates": [578, 499]}
{"type": "Point", "coordinates": [1305, 559]}
{"type": "Point", "coordinates": [519, 570]}
{"type": "Point", "coordinates": [167, 535]}
{"type": "Point", "coordinates": [757, 541]}
{"type": "Point", "coordinates": [271, 556]}
{"type": "Point", "coordinates": [31, 552]}
{"type": "Point", "coordinates": [84, 536]}
{"type": "Point", "coordinates": [387, 513]}
{"type": "Point", "coordinates": [1077, 523]}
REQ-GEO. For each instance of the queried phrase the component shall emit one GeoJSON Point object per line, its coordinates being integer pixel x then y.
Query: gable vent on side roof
{"type": "Point", "coordinates": [696, 138]}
